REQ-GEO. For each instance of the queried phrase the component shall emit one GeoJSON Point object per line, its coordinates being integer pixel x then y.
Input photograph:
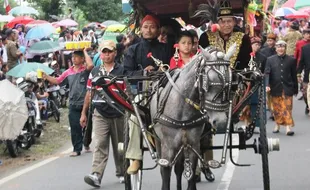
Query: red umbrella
{"type": "Point", "coordinates": [298, 15]}
{"type": "Point", "coordinates": [20, 20]}
{"type": "Point", "coordinates": [36, 23]}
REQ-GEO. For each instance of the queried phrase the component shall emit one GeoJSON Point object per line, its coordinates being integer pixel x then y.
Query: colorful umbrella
{"type": "Point", "coordinates": [22, 69]}
{"type": "Point", "coordinates": [23, 10]}
{"type": "Point", "coordinates": [301, 4]}
{"type": "Point", "coordinates": [94, 24]}
{"type": "Point", "coordinates": [41, 31]}
{"type": "Point", "coordinates": [284, 11]}
{"type": "Point", "coordinates": [67, 22]}
{"type": "Point", "coordinates": [20, 20]}
{"type": "Point", "coordinates": [36, 23]}
{"type": "Point", "coordinates": [6, 18]}
{"type": "Point", "coordinates": [298, 15]}
{"type": "Point", "coordinates": [45, 46]}
{"type": "Point", "coordinates": [109, 22]}
{"type": "Point", "coordinates": [116, 28]}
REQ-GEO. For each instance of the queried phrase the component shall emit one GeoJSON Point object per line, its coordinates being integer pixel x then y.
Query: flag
{"type": "Point", "coordinates": [7, 6]}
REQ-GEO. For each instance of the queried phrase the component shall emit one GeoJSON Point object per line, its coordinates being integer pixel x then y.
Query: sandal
{"type": "Point", "coordinates": [75, 154]}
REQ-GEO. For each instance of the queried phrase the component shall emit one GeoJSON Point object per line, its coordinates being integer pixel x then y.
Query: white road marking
{"type": "Point", "coordinates": [33, 167]}
{"type": "Point", "coordinates": [230, 167]}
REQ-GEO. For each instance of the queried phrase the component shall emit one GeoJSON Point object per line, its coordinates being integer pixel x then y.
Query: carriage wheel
{"type": "Point", "coordinates": [132, 182]}
{"type": "Point", "coordinates": [264, 149]}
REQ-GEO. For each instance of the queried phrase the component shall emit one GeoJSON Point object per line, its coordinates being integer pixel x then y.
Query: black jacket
{"type": "Point", "coordinates": [304, 63]}
{"type": "Point", "coordinates": [267, 51]}
{"type": "Point", "coordinates": [281, 75]}
{"type": "Point", "coordinates": [260, 59]}
{"type": "Point", "coordinates": [136, 59]}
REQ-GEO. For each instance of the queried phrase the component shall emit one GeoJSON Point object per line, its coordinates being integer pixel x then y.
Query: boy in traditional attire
{"type": "Point", "coordinates": [281, 82]}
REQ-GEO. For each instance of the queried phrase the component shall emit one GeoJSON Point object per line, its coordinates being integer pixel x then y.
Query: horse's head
{"type": "Point", "coordinates": [214, 84]}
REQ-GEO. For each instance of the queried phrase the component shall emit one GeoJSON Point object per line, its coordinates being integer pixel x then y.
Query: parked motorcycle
{"type": "Point", "coordinates": [32, 128]}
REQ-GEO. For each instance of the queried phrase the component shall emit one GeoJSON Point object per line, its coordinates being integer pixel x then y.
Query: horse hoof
{"type": "Point", "coordinates": [209, 175]}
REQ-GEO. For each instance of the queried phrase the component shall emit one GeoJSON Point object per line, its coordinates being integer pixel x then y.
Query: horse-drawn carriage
{"type": "Point", "coordinates": [174, 107]}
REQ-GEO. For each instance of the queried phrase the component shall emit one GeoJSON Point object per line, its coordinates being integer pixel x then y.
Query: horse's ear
{"type": "Point", "coordinates": [205, 53]}
{"type": "Point", "coordinates": [230, 52]}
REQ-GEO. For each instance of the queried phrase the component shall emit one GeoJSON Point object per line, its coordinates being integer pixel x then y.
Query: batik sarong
{"type": "Point", "coordinates": [282, 110]}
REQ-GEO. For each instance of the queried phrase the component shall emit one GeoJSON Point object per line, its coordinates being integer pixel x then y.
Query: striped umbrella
{"type": "Point", "coordinates": [284, 11]}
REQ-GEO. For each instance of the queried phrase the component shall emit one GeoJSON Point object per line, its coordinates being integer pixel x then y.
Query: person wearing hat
{"type": "Point", "coordinates": [76, 76]}
{"type": "Point", "coordinates": [12, 48]}
{"type": "Point", "coordinates": [270, 49]}
{"type": "Point", "coordinates": [292, 37]}
{"type": "Point", "coordinates": [260, 59]}
{"type": "Point", "coordinates": [304, 65]}
{"type": "Point", "coordinates": [225, 37]}
{"type": "Point", "coordinates": [135, 61]}
{"type": "Point", "coordinates": [108, 122]}
{"type": "Point", "coordinates": [281, 82]}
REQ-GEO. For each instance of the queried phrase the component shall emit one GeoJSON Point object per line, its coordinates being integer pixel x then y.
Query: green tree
{"type": "Point", "coordinates": [2, 9]}
{"type": "Point", "coordinates": [100, 10]}
{"type": "Point", "coordinates": [48, 7]}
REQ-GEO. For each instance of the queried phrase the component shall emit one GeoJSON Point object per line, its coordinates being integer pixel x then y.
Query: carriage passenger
{"type": "Point", "coordinates": [223, 39]}
{"type": "Point", "coordinates": [134, 61]}
{"type": "Point", "coordinates": [184, 50]}
{"type": "Point", "coordinates": [107, 122]}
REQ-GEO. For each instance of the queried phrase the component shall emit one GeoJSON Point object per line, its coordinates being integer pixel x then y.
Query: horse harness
{"type": "Point", "coordinates": [221, 68]}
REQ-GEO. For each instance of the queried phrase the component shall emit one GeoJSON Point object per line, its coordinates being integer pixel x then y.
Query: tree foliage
{"type": "Point", "coordinates": [100, 10]}
{"type": "Point", "coordinates": [48, 7]}
{"type": "Point", "coordinates": [2, 9]}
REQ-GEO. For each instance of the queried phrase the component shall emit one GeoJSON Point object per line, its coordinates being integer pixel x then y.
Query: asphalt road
{"type": "Point", "coordinates": [289, 168]}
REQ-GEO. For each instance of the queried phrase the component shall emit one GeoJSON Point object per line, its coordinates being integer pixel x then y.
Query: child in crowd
{"type": "Point", "coordinates": [184, 49]}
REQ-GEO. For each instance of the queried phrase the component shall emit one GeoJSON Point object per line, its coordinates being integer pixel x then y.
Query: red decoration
{"type": "Point", "coordinates": [215, 27]}
{"type": "Point", "coordinates": [176, 46]}
{"type": "Point", "coordinates": [252, 54]}
{"type": "Point", "coordinates": [149, 55]}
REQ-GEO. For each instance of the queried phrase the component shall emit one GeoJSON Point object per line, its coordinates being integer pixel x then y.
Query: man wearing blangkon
{"type": "Point", "coordinates": [134, 61]}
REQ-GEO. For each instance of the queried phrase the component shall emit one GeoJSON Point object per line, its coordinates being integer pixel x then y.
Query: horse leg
{"type": "Point", "coordinates": [165, 176]}
{"type": "Point", "coordinates": [192, 182]}
{"type": "Point", "coordinates": [178, 170]}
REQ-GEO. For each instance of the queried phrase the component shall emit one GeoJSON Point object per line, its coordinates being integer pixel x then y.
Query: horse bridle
{"type": "Point", "coordinates": [222, 68]}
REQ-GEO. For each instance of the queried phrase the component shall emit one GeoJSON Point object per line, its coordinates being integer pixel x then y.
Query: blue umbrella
{"type": "Point", "coordinates": [22, 69]}
{"type": "Point", "coordinates": [23, 10]}
{"type": "Point", "coordinates": [284, 11]}
{"type": "Point", "coordinates": [40, 31]}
